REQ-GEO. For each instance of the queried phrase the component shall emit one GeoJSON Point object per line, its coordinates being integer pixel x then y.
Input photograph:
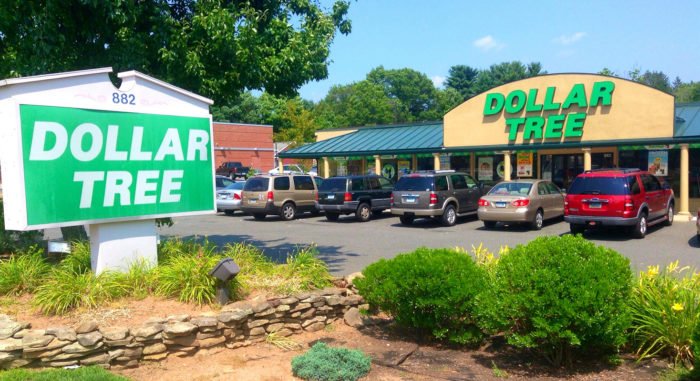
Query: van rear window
{"type": "Point", "coordinates": [417, 184]}
{"type": "Point", "coordinates": [333, 185]}
{"type": "Point", "coordinates": [256, 184]}
{"type": "Point", "coordinates": [600, 185]}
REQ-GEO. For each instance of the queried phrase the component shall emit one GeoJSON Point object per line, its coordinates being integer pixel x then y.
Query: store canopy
{"type": "Point", "coordinates": [687, 120]}
{"type": "Point", "coordinates": [382, 140]}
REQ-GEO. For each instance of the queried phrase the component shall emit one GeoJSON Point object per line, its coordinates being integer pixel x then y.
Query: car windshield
{"type": "Point", "coordinates": [235, 186]}
{"type": "Point", "coordinates": [599, 185]}
{"type": "Point", "coordinates": [333, 185]}
{"type": "Point", "coordinates": [513, 189]}
{"type": "Point", "coordinates": [256, 184]}
{"type": "Point", "coordinates": [417, 183]}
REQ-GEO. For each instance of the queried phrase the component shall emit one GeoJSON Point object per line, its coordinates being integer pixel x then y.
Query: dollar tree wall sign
{"type": "Point", "coordinates": [563, 119]}
{"type": "Point", "coordinates": [77, 150]}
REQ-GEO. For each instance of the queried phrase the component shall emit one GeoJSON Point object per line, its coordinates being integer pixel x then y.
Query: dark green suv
{"type": "Point", "coordinates": [442, 195]}
{"type": "Point", "coordinates": [362, 195]}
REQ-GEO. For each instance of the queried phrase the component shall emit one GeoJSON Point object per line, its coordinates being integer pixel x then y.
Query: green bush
{"type": "Point", "coordinates": [140, 281]}
{"type": "Point", "coordinates": [12, 241]}
{"type": "Point", "coordinates": [91, 373]}
{"type": "Point", "coordinates": [305, 271]}
{"type": "Point", "coordinates": [78, 260]}
{"type": "Point", "coordinates": [429, 290]}
{"type": "Point", "coordinates": [323, 363]}
{"type": "Point", "coordinates": [23, 272]}
{"type": "Point", "coordinates": [559, 294]}
{"type": "Point", "coordinates": [66, 289]}
{"type": "Point", "coordinates": [665, 308]}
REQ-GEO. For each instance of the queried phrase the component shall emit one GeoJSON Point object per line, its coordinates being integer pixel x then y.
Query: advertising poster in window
{"type": "Point", "coordinates": [404, 167]}
{"type": "Point", "coordinates": [524, 162]}
{"type": "Point", "coordinates": [445, 161]}
{"type": "Point", "coordinates": [485, 169]}
{"type": "Point", "coordinates": [658, 163]}
{"type": "Point", "coordinates": [342, 167]}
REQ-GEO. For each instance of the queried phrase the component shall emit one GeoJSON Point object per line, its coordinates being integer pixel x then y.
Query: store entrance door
{"type": "Point", "coordinates": [561, 169]}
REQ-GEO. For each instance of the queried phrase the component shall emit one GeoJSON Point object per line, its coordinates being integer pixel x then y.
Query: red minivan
{"type": "Point", "coordinates": [618, 197]}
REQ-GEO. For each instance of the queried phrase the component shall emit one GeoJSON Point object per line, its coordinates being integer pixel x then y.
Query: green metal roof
{"type": "Point", "coordinates": [381, 140]}
{"type": "Point", "coordinates": [687, 120]}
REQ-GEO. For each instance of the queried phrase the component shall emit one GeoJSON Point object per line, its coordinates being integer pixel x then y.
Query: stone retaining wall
{"type": "Point", "coordinates": [238, 324]}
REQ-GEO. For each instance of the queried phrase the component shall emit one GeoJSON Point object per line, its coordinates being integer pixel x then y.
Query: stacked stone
{"type": "Point", "coordinates": [239, 324]}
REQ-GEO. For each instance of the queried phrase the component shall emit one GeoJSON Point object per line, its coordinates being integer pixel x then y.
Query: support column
{"type": "Point", "coordinates": [364, 166]}
{"type": "Point", "coordinates": [472, 164]}
{"type": "Point", "coordinates": [685, 165]}
{"type": "Point", "coordinates": [326, 168]}
{"type": "Point", "coordinates": [586, 159]}
{"type": "Point", "coordinates": [377, 165]}
{"type": "Point", "coordinates": [506, 165]}
{"type": "Point", "coordinates": [436, 161]}
{"type": "Point", "coordinates": [116, 246]}
{"type": "Point", "coordinates": [414, 162]}
{"type": "Point", "coordinates": [280, 168]}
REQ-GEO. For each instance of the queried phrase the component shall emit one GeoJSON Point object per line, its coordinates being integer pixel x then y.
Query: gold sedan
{"type": "Point", "coordinates": [525, 201]}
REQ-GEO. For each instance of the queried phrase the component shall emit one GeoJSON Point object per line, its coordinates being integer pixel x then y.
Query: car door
{"type": "Point", "coordinates": [540, 196]}
{"type": "Point", "coordinates": [474, 192]}
{"type": "Point", "coordinates": [460, 191]}
{"type": "Point", "coordinates": [304, 192]}
{"type": "Point", "coordinates": [557, 199]}
{"type": "Point", "coordinates": [653, 196]}
{"type": "Point", "coordinates": [385, 187]}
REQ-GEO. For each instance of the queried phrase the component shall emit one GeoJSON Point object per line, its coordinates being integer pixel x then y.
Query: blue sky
{"type": "Point", "coordinates": [565, 36]}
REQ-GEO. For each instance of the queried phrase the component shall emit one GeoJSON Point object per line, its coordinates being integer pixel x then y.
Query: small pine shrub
{"type": "Point", "coordinates": [65, 289]}
{"type": "Point", "coordinates": [559, 294]}
{"type": "Point", "coordinates": [665, 312]}
{"type": "Point", "coordinates": [429, 290]}
{"type": "Point", "coordinates": [323, 363]}
{"type": "Point", "coordinates": [23, 272]}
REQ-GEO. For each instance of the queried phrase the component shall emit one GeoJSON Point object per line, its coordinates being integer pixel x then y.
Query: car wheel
{"type": "Point", "coordinates": [449, 217]}
{"type": "Point", "coordinates": [489, 224]}
{"type": "Point", "coordinates": [538, 221]}
{"type": "Point", "coordinates": [332, 216]}
{"type": "Point", "coordinates": [406, 220]}
{"type": "Point", "coordinates": [259, 216]}
{"type": "Point", "coordinates": [288, 211]}
{"type": "Point", "coordinates": [669, 215]}
{"type": "Point", "coordinates": [363, 212]}
{"type": "Point", "coordinates": [640, 229]}
{"type": "Point", "coordinates": [229, 212]}
{"type": "Point", "coordinates": [577, 229]}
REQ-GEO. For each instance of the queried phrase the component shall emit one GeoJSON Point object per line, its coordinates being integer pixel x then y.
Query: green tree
{"type": "Point", "coordinates": [656, 79]}
{"type": "Point", "coordinates": [358, 104]}
{"type": "Point", "coordinates": [300, 121]}
{"type": "Point", "coordinates": [462, 78]}
{"type": "Point", "coordinates": [505, 72]}
{"type": "Point", "coordinates": [688, 92]}
{"type": "Point", "coordinates": [214, 48]}
{"type": "Point", "coordinates": [414, 90]}
{"type": "Point", "coordinates": [608, 72]}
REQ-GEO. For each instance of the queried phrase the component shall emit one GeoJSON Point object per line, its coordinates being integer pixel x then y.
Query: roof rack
{"type": "Point", "coordinates": [623, 170]}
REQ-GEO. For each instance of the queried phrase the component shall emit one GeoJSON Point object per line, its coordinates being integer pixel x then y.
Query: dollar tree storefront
{"type": "Point", "coordinates": [552, 127]}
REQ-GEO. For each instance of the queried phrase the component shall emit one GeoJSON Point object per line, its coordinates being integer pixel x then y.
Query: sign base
{"type": "Point", "coordinates": [117, 246]}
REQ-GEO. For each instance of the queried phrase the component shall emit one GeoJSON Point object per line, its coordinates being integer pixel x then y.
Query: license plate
{"type": "Point", "coordinates": [409, 200]}
{"type": "Point", "coordinates": [500, 205]}
{"type": "Point", "coordinates": [594, 205]}
{"type": "Point", "coordinates": [331, 197]}
{"type": "Point", "coordinates": [253, 201]}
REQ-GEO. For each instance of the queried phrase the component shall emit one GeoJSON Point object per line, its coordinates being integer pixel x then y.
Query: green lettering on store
{"type": "Point", "coordinates": [515, 101]}
{"type": "Point", "coordinates": [555, 124]}
{"type": "Point", "coordinates": [532, 106]}
{"type": "Point", "coordinates": [533, 125]}
{"type": "Point", "coordinates": [602, 91]}
{"type": "Point", "coordinates": [494, 103]}
{"type": "Point", "coordinates": [513, 124]}
{"type": "Point", "coordinates": [577, 95]}
{"type": "Point", "coordinates": [574, 125]}
{"type": "Point", "coordinates": [549, 104]}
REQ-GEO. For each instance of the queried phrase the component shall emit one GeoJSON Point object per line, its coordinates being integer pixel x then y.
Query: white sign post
{"type": "Point", "coordinates": [76, 150]}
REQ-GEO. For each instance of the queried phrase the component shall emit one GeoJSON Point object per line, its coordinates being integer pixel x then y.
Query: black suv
{"type": "Point", "coordinates": [442, 195]}
{"type": "Point", "coordinates": [362, 195]}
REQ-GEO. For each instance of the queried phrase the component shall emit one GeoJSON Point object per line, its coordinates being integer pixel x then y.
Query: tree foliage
{"type": "Point", "coordinates": [214, 48]}
{"type": "Point", "coordinates": [470, 82]}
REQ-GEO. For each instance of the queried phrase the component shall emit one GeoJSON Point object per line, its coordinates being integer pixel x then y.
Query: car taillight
{"type": "Point", "coordinates": [483, 202]}
{"type": "Point", "coordinates": [347, 197]}
{"type": "Point", "coordinates": [566, 207]}
{"type": "Point", "coordinates": [316, 196]}
{"type": "Point", "coordinates": [270, 196]}
{"type": "Point", "coordinates": [236, 196]}
{"type": "Point", "coordinates": [391, 199]}
{"type": "Point", "coordinates": [629, 205]}
{"type": "Point", "coordinates": [433, 199]}
{"type": "Point", "coordinates": [519, 203]}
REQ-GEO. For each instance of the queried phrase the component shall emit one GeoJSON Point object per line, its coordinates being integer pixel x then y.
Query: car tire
{"type": "Point", "coordinates": [229, 212]}
{"type": "Point", "coordinates": [640, 228]}
{"type": "Point", "coordinates": [538, 221]}
{"type": "Point", "coordinates": [449, 216]}
{"type": "Point", "coordinates": [407, 220]}
{"type": "Point", "coordinates": [669, 215]}
{"type": "Point", "coordinates": [363, 212]}
{"type": "Point", "coordinates": [489, 224]}
{"type": "Point", "coordinates": [330, 216]}
{"type": "Point", "coordinates": [577, 229]}
{"type": "Point", "coordinates": [259, 216]}
{"type": "Point", "coordinates": [288, 211]}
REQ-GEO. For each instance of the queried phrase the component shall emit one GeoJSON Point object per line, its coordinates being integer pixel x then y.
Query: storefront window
{"type": "Point", "coordinates": [460, 163]}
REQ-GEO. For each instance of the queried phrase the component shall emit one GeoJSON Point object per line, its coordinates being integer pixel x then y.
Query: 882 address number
{"type": "Point", "coordinates": [125, 99]}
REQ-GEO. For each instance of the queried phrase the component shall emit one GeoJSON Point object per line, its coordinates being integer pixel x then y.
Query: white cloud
{"type": "Point", "coordinates": [570, 39]}
{"type": "Point", "coordinates": [487, 43]}
{"type": "Point", "coordinates": [438, 80]}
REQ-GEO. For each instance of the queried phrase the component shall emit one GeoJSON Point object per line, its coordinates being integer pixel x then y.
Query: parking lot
{"type": "Point", "coordinates": [348, 246]}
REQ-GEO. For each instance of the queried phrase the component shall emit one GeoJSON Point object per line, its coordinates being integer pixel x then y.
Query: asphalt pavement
{"type": "Point", "coordinates": [348, 246]}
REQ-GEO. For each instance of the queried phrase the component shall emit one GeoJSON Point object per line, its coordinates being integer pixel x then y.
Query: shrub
{"type": "Point", "coordinates": [665, 309]}
{"type": "Point", "coordinates": [66, 289]}
{"type": "Point", "coordinates": [323, 363]}
{"type": "Point", "coordinates": [23, 272]}
{"type": "Point", "coordinates": [140, 281]}
{"type": "Point", "coordinates": [305, 271]}
{"type": "Point", "coordinates": [78, 260]}
{"type": "Point", "coordinates": [90, 373]}
{"type": "Point", "coordinates": [558, 294]}
{"type": "Point", "coordinates": [430, 290]}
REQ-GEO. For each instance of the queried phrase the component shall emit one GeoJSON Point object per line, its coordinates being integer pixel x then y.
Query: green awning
{"type": "Point", "coordinates": [382, 140]}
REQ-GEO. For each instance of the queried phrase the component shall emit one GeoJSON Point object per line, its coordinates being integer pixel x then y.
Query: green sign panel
{"type": "Point", "coordinates": [87, 165]}
{"type": "Point", "coordinates": [559, 121]}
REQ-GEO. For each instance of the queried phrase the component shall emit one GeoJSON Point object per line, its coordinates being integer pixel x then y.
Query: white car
{"type": "Point", "coordinates": [228, 200]}
{"type": "Point", "coordinates": [289, 169]}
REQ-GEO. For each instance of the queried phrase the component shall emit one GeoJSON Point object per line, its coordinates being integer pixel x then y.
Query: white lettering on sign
{"type": "Point", "coordinates": [121, 183]}
{"type": "Point", "coordinates": [38, 150]}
